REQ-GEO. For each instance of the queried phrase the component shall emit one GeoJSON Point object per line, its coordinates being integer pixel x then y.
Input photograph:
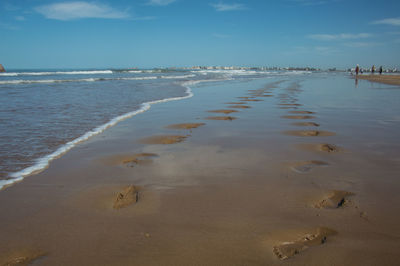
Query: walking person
{"type": "Point", "coordinates": [380, 70]}
{"type": "Point", "coordinates": [357, 69]}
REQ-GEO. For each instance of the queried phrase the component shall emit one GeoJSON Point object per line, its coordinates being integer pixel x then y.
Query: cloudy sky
{"type": "Point", "coordinates": [162, 33]}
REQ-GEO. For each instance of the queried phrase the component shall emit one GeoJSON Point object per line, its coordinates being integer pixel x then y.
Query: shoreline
{"type": "Point", "coordinates": [385, 79]}
{"type": "Point", "coordinates": [170, 187]}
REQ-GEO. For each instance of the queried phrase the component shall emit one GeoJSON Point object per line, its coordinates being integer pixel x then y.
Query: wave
{"type": "Point", "coordinates": [43, 163]}
{"type": "Point", "coordinates": [83, 72]}
{"type": "Point", "coordinates": [24, 81]}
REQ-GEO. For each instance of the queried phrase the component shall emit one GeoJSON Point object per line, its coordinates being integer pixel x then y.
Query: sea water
{"type": "Point", "coordinates": [43, 114]}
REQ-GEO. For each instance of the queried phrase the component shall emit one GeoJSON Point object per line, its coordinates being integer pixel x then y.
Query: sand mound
{"type": "Point", "coordinates": [186, 125]}
{"type": "Point", "coordinates": [306, 124]}
{"type": "Point", "coordinates": [126, 197]}
{"type": "Point", "coordinates": [335, 199]}
{"type": "Point", "coordinates": [298, 116]}
{"type": "Point", "coordinates": [306, 166]}
{"type": "Point", "coordinates": [246, 97]}
{"type": "Point", "coordinates": [316, 237]}
{"type": "Point", "coordinates": [301, 112]}
{"type": "Point", "coordinates": [22, 258]}
{"type": "Point", "coordinates": [223, 111]}
{"type": "Point", "coordinates": [239, 106]}
{"type": "Point", "coordinates": [163, 139]}
{"type": "Point", "coordinates": [230, 118]}
{"type": "Point", "coordinates": [309, 133]}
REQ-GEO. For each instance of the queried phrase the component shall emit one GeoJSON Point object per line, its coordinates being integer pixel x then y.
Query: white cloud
{"type": "Point", "coordinates": [388, 21]}
{"type": "Point", "coordinates": [160, 2]}
{"type": "Point", "coordinates": [79, 10]}
{"type": "Point", "coordinates": [228, 7]}
{"type": "Point", "coordinates": [342, 36]}
{"type": "Point", "coordinates": [361, 44]}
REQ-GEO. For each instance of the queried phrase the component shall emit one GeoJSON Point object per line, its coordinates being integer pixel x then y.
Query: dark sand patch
{"type": "Point", "coordinates": [306, 124]}
{"type": "Point", "coordinates": [230, 118]}
{"type": "Point", "coordinates": [309, 133]}
{"type": "Point", "coordinates": [307, 166]}
{"type": "Point", "coordinates": [185, 125]}
{"type": "Point", "coordinates": [298, 116]}
{"type": "Point", "coordinates": [126, 197]}
{"type": "Point", "coordinates": [288, 107]}
{"type": "Point", "coordinates": [246, 97]}
{"type": "Point", "coordinates": [239, 106]}
{"type": "Point", "coordinates": [267, 95]}
{"type": "Point", "coordinates": [335, 199]}
{"type": "Point", "coordinates": [316, 237]}
{"type": "Point", "coordinates": [301, 112]}
{"type": "Point", "coordinates": [163, 139]}
{"type": "Point", "coordinates": [22, 257]}
{"type": "Point", "coordinates": [223, 111]}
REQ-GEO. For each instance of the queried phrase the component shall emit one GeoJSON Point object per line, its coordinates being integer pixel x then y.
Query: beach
{"type": "Point", "coordinates": [386, 79]}
{"type": "Point", "coordinates": [288, 169]}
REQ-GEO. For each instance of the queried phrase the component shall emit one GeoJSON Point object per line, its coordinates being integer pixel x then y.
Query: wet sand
{"type": "Point", "coordinates": [231, 193]}
{"type": "Point", "coordinates": [386, 79]}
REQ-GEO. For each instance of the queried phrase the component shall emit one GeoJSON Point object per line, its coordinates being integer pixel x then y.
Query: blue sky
{"type": "Point", "coordinates": [164, 33]}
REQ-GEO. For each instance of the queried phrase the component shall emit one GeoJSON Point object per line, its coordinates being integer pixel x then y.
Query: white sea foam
{"type": "Point", "coordinates": [26, 81]}
{"type": "Point", "coordinates": [43, 163]}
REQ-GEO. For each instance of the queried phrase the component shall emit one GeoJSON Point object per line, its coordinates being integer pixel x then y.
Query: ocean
{"type": "Point", "coordinates": [44, 114]}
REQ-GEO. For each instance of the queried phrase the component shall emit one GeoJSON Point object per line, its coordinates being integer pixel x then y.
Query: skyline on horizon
{"type": "Point", "coordinates": [183, 33]}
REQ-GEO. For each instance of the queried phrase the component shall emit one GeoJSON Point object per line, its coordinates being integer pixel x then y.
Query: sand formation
{"type": "Point", "coordinates": [23, 258]}
{"type": "Point", "coordinates": [289, 249]}
{"type": "Point", "coordinates": [126, 197]}
{"type": "Point", "coordinates": [239, 106]}
{"type": "Point", "coordinates": [298, 116]}
{"type": "Point", "coordinates": [310, 133]}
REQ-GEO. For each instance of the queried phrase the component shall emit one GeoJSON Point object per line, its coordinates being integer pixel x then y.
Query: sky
{"type": "Point", "coordinates": [178, 33]}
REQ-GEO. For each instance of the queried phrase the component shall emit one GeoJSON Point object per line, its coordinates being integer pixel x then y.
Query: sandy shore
{"type": "Point", "coordinates": [386, 79]}
{"type": "Point", "coordinates": [176, 186]}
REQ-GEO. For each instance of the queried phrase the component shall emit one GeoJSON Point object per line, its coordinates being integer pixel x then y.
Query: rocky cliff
{"type": "Point", "coordinates": [2, 68]}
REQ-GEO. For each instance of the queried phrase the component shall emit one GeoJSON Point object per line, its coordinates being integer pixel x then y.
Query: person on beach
{"type": "Point", "coordinates": [373, 69]}
{"type": "Point", "coordinates": [357, 69]}
{"type": "Point", "coordinates": [380, 70]}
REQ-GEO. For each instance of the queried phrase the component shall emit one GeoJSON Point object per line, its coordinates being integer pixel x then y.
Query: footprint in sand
{"type": "Point", "coordinates": [307, 166]}
{"type": "Point", "coordinates": [229, 118]}
{"type": "Point", "coordinates": [138, 159]}
{"type": "Point", "coordinates": [128, 196]}
{"type": "Point", "coordinates": [301, 112]}
{"type": "Point", "coordinates": [298, 116]}
{"type": "Point", "coordinates": [239, 106]}
{"type": "Point", "coordinates": [252, 100]}
{"type": "Point", "coordinates": [316, 237]}
{"type": "Point", "coordinates": [163, 139]}
{"type": "Point", "coordinates": [335, 199]}
{"type": "Point", "coordinates": [223, 111]}
{"type": "Point", "coordinates": [309, 133]}
{"type": "Point", "coordinates": [306, 124]}
{"type": "Point", "coordinates": [185, 125]}
{"type": "Point", "coordinates": [289, 104]}
{"type": "Point", "coordinates": [321, 147]}
{"type": "Point", "coordinates": [23, 257]}
{"type": "Point", "coordinates": [235, 103]}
